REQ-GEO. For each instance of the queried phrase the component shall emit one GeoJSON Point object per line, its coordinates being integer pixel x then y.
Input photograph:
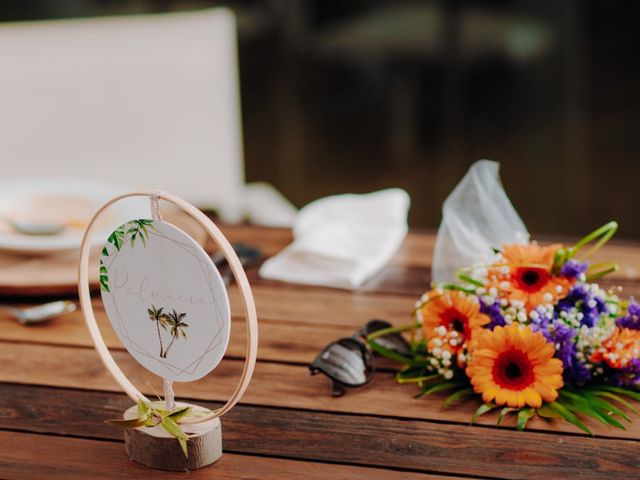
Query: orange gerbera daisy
{"type": "Point", "coordinates": [454, 311]}
{"type": "Point", "coordinates": [619, 349]}
{"type": "Point", "coordinates": [514, 365]}
{"type": "Point", "coordinates": [526, 275]}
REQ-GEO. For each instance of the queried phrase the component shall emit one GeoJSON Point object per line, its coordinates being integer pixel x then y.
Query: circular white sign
{"type": "Point", "coordinates": [165, 299]}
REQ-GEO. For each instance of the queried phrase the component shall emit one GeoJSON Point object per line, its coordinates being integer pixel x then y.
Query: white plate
{"type": "Point", "coordinates": [55, 201]}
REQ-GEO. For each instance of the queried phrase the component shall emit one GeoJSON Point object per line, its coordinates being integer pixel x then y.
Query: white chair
{"type": "Point", "coordinates": [146, 101]}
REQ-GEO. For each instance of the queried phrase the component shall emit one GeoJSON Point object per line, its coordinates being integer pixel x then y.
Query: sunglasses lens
{"type": "Point", "coordinates": [346, 361]}
{"type": "Point", "coordinates": [393, 341]}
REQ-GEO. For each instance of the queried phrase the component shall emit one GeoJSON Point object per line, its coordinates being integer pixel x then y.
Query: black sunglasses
{"type": "Point", "coordinates": [348, 362]}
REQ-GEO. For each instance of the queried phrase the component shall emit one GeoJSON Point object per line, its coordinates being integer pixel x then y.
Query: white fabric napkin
{"type": "Point", "coordinates": [341, 241]}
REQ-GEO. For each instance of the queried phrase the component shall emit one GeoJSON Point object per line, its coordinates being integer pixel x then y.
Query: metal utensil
{"type": "Point", "coordinates": [33, 228]}
{"type": "Point", "coordinates": [248, 256]}
{"type": "Point", "coordinates": [40, 313]}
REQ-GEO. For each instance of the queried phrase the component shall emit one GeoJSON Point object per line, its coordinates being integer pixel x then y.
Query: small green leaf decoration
{"type": "Point", "coordinates": [143, 409]}
{"type": "Point", "coordinates": [568, 416]}
{"type": "Point", "coordinates": [482, 409]}
{"type": "Point", "coordinates": [151, 414]}
{"type": "Point", "coordinates": [104, 278]}
{"type": "Point", "coordinates": [117, 237]}
{"type": "Point", "coordinates": [454, 397]}
{"type": "Point", "coordinates": [523, 417]}
{"type": "Point", "coordinates": [503, 412]}
{"type": "Point", "coordinates": [172, 428]}
{"type": "Point", "coordinates": [179, 413]}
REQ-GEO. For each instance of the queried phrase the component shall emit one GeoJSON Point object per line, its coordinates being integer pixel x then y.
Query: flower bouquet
{"type": "Point", "coordinates": [530, 333]}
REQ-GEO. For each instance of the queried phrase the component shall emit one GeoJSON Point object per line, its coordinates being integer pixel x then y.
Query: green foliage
{"type": "Point", "coordinates": [151, 414]}
{"type": "Point", "coordinates": [603, 403]}
{"type": "Point", "coordinates": [104, 277]}
{"type": "Point", "coordinates": [482, 409]}
{"type": "Point", "coordinates": [130, 231]}
{"type": "Point", "coordinates": [524, 414]}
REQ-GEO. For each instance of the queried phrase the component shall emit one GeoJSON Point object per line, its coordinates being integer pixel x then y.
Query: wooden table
{"type": "Point", "coordinates": [55, 393]}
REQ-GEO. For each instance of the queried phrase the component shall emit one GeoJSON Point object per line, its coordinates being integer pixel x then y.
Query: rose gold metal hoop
{"type": "Point", "coordinates": [238, 273]}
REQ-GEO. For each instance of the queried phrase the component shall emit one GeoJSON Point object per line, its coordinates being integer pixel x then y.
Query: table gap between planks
{"type": "Point", "coordinates": [55, 394]}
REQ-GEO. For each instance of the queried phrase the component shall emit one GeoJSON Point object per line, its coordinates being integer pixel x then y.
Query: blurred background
{"type": "Point", "coordinates": [357, 95]}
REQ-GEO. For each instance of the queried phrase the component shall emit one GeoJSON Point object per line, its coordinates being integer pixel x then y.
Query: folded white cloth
{"type": "Point", "coordinates": [341, 241]}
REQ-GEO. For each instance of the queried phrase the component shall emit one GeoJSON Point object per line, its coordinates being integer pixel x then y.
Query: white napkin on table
{"type": "Point", "coordinates": [341, 241]}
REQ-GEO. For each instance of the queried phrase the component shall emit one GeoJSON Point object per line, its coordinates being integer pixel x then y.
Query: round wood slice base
{"type": "Point", "coordinates": [155, 448]}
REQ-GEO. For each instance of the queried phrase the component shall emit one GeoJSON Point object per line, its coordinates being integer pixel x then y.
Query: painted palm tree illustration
{"type": "Point", "coordinates": [157, 315]}
{"type": "Point", "coordinates": [176, 326]}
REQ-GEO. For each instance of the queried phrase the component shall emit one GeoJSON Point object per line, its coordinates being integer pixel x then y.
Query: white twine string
{"type": "Point", "coordinates": [169, 397]}
{"type": "Point", "coordinates": [155, 205]}
{"type": "Point", "coordinates": [167, 385]}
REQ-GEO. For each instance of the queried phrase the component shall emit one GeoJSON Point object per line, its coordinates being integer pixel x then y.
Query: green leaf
{"type": "Point", "coordinates": [503, 412]}
{"type": "Point", "coordinates": [413, 371]}
{"type": "Point", "coordinates": [618, 399]}
{"type": "Point", "coordinates": [104, 284]}
{"type": "Point", "coordinates": [466, 278]}
{"type": "Point", "coordinates": [172, 428]}
{"type": "Point", "coordinates": [143, 408]}
{"type": "Point", "coordinates": [482, 409]}
{"type": "Point", "coordinates": [546, 412]}
{"type": "Point", "coordinates": [568, 416]}
{"type": "Point", "coordinates": [385, 352]}
{"type": "Point", "coordinates": [438, 387]}
{"type": "Point", "coordinates": [183, 445]}
{"type": "Point", "coordinates": [117, 237]}
{"type": "Point", "coordinates": [607, 407]}
{"type": "Point", "coordinates": [134, 422]}
{"type": "Point", "coordinates": [523, 417]}
{"type": "Point", "coordinates": [622, 391]}
{"type": "Point", "coordinates": [585, 409]}
{"type": "Point", "coordinates": [105, 252]}
{"type": "Point", "coordinates": [600, 236]}
{"type": "Point", "coordinates": [420, 379]}
{"type": "Point", "coordinates": [454, 397]}
{"type": "Point", "coordinates": [179, 413]}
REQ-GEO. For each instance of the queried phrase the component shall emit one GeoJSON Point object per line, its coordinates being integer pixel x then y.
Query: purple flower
{"type": "Point", "coordinates": [573, 268]}
{"type": "Point", "coordinates": [591, 306]}
{"type": "Point", "coordinates": [632, 319]}
{"type": "Point", "coordinates": [562, 337]}
{"type": "Point", "coordinates": [494, 311]}
{"type": "Point", "coordinates": [628, 376]}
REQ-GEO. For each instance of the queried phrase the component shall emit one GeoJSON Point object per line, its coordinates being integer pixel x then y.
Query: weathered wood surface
{"type": "Point", "coordinates": [346, 439]}
{"type": "Point", "coordinates": [275, 384]}
{"type": "Point", "coordinates": [30, 457]}
{"type": "Point", "coordinates": [53, 389]}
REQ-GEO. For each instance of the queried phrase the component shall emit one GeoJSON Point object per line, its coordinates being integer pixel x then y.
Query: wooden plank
{"type": "Point", "coordinates": [417, 249]}
{"type": "Point", "coordinates": [279, 341]}
{"type": "Point", "coordinates": [27, 456]}
{"type": "Point", "coordinates": [384, 442]}
{"type": "Point", "coordinates": [277, 385]}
